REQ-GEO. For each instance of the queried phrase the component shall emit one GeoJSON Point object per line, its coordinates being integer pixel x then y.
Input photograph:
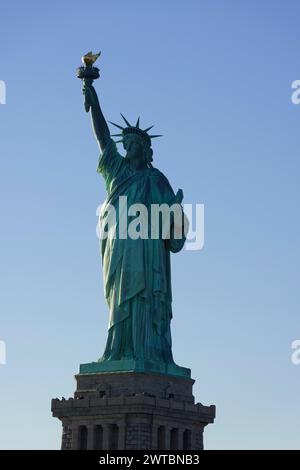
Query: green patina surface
{"type": "Point", "coordinates": [136, 272]}
{"type": "Point", "coordinates": [134, 366]}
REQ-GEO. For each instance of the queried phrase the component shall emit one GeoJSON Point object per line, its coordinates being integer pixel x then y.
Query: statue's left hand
{"type": "Point", "coordinates": [179, 196]}
{"type": "Point", "coordinates": [177, 200]}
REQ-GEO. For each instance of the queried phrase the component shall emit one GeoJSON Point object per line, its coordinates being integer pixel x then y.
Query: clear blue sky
{"type": "Point", "coordinates": [215, 77]}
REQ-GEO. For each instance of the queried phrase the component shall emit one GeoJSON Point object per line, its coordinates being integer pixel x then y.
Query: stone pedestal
{"type": "Point", "coordinates": [132, 410]}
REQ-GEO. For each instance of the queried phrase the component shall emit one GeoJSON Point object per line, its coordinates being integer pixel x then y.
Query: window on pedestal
{"type": "Point", "coordinates": [187, 439]}
{"type": "Point", "coordinates": [82, 437]}
{"type": "Point", "coordinates": [113, 437]}
{"type": "Point", "coordinates": [98, 437]}
{"type": "Point", "coordinates": [174, 439]}
{"type": "Point", "coordinates": [161, 438]}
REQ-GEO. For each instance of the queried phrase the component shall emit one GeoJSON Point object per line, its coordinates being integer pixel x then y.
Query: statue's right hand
{"type": "Point", "coordinates": [87, 98]}
{"type": "Point", "coordinates": [88, 92]}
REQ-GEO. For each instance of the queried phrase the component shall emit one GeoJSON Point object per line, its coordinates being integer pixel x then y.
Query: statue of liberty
{"type": "Point", "coordinates": [136, 272]}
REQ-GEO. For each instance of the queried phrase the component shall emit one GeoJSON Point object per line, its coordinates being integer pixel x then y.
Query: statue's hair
{"type": "Point", "coordinates": [148, 152]}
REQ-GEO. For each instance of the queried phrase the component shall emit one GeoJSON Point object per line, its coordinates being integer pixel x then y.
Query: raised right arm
{"type": "Point", "coordinates": [100, 126]}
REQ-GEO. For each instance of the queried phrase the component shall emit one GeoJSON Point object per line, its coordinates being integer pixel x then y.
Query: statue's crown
{"type": "Point", "coordinates": [130, 129]}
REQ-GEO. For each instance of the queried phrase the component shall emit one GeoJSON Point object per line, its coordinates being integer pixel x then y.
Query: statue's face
{"type": "Point", "coordinates": [134, 147]}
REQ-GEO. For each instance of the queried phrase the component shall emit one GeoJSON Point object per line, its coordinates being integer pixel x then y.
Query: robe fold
{"type": "Point", "coordinates": [136, 272]}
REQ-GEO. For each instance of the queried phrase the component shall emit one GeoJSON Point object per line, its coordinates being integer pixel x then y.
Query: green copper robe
{"type": "Point", "coordinates": [136, 273]}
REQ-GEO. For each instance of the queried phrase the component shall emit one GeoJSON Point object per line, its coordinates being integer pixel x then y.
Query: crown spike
{"type": "Point", "coordinates": [153, 136]}
{"type": "Point", "coordinates": [128, 123]}
{"type": "Point", "coordinates": [138, 123]}
{"type": "Point", "coordinates": [117, 135]}
{"type": "Point", "coordinates": [148, 128]}
{"type": "Point", "coordinates": [117, 125]}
